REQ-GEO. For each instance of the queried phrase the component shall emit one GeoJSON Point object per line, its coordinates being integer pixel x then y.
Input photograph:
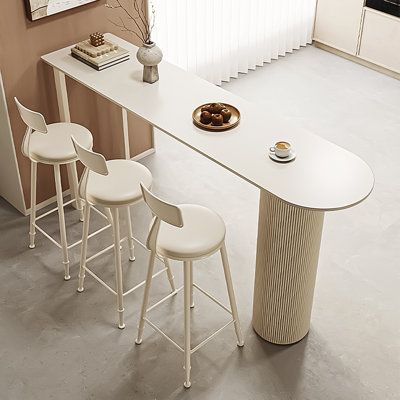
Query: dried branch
{"type": "Point", "coordinates": [153, 20]}
{"type": "Point", "coordinates": [144, 35]}
{"type": "Point", "coordinates": [124, 28]}
{"type": "Point", "coordinates": [143, 25]}
{"type": "Point", "coordinates": [142, 7]}
{"type": "Point", "coordinates": [142, 18]}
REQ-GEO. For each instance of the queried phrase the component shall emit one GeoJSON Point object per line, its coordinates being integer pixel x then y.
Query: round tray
{"type": "Point", "coordinates": [234, 121]}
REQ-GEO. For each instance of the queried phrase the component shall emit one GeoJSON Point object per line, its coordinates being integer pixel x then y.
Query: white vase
{"type": "Point", "coordinates": [149, 55]}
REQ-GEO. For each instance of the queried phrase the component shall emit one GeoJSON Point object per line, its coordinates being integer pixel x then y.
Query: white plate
{"type": "Point", "coordinates": [275, 158]}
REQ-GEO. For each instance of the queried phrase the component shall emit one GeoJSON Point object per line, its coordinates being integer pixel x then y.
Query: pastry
{"type": "Point", "coordinates": [217, 120]}
{"type": "Point", "coordinates": [206, 108]}
{"type": "Point", "coordinates": [215, 108]}
{"type": "Point", "coordinates": [205, 117]}
{"type": "Point", "coordinates": [226, 114]}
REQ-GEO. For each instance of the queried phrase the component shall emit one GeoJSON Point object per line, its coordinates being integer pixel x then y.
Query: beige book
{"type": "Point", "coordinates": [106, 58]}
{"type": "Point", "coordinates": [93, 51]}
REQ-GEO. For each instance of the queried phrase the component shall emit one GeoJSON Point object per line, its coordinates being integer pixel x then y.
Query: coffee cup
{"type": "Point", "coordinates": [281, 149]}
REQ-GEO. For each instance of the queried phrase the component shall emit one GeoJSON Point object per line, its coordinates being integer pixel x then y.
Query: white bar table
{"type": "Point", "coordinates": [293, 197]}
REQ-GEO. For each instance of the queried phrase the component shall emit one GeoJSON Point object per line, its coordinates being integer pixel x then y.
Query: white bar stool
{"type": "Point", "coordinates": [51, 144]}
{"type": "Point", "coordinates": [114, 185]}
{"type": "Point", "coordinates": [186, 233]}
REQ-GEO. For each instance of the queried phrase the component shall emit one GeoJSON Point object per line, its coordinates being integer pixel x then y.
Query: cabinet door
{"type": "Point", "coordinates": [380, 42]}
{"type": "Point", "coordinates": [338, 23]}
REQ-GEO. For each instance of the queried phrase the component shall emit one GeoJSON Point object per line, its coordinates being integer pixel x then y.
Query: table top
{"type": "Point", "coordinates": [323, 176]}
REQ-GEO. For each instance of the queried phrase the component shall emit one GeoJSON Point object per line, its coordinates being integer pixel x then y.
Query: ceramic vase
{"type": "Point", "coordinates": [149, 55]}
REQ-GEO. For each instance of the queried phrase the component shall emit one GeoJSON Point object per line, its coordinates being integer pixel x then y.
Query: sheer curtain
{"type": "Point", "coordinates": [217, 39]}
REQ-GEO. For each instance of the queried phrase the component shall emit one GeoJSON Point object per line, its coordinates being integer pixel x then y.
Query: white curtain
{"type": "Point", "coordinates": [217, 39]}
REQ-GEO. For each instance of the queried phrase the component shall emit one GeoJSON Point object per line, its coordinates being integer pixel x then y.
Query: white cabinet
{"type": "Point", "coordinates": [380, 40]}
{"type": "Point", "coordinates": [338, 24]}
{"type": "Point", "coordinates": [10, 182]}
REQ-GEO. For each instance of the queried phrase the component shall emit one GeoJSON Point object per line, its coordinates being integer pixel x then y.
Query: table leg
{"type": "Point", "coordinates": [65, 116]}
{"type": "Point", "coordinates": [62, 96]}
{"type": "Point", "coordinates": [288, 246]}
{"type": "Point", "coordinates": [153, 140]}
{"type": "Point", "coordinates": [125, 128]}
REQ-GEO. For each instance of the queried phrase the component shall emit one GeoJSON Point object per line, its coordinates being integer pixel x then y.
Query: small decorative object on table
{"type": "Point", "coordinates": [216, 116]}
{"type": "Point", "coordinates": [96, 39]}
{"type": "Point", "coordinates": [149, 55]}
{"type": "Point", "coordinates": [282, 152]}
{"type": "Point", "coordinates": [98, 53]}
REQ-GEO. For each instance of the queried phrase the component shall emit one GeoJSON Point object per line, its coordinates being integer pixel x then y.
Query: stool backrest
{"type": "Point", "coordinates": [93, 161]}
{"type": "Point", "coordinates": [32, 119]}
{"type": "Point", "coordinates": [162, 211]}
{"type": "Point", "coordinates": [34, 122]}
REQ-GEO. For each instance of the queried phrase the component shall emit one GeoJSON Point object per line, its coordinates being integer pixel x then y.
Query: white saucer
{"type": "Point", "coordinates": [285, 160]}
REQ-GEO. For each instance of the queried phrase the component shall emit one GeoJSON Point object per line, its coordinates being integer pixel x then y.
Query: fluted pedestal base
{"type": "Point", "coordinates": [288, 246]}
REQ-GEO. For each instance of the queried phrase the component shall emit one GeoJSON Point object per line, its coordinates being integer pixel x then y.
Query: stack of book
{"type": "Point", "coordinates": [100, 57]}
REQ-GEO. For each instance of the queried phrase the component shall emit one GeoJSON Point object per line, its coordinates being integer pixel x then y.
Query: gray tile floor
{"type": "Point", "coordinates": [57, 344]}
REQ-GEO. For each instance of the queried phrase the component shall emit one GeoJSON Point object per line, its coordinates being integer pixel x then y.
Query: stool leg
{"type": "Point", "coordinates": [145, 302]}
{"type": "Point", "coordinates": [85, 234]}
{"type": "Point", "coordinates": [191, 285]}
{"type": "Point", "coordinates": [231, 294]}
{"type": "Point", "coordinates": [118, 267]}
{"type": "Point", "coordinates": [107, 212]}
{"type": "Point", "coordinates": [73, 175]}
{"type": "Point", "coordinates": [61, 219]}
{"type": "Point", "coordinates": [32, 230]}
{"type": "Point", "coordinates": [187, 291]}
{"type": "Point", "coordinates": [169, 274]}
{"type": "Point", "coordinates": [130, 235]}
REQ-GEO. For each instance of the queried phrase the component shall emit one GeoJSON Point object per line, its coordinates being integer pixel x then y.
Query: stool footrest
{"type": "Point", "coordinates": [157, 329]}
{"type": "Point", "coordinates": [52, 210]}
{"type": "Point", "coordinates": [164, 299]}
{"type": "Point", "coordinates": [101, 252]}
{"type": "Point", "coordinates": [139, 285]}
{"type": "Point", "coordinates": [211, 297]}
{"type": "Point", "coordinates": [205, 341]}
{"type": "Point", "coordinates": [100, 281]}
{"type": "Point", "coordinates": [41, 230]}
{"type": "Point", "coordinates": [47, 235]}
{"type": "Point", "coordinates": [90, 236]}
{"type": "Point", "coordinates": [199, 346]}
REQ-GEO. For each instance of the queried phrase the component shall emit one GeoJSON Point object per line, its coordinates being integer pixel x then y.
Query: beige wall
{"type": "Point", "coordinates": [21, 44]}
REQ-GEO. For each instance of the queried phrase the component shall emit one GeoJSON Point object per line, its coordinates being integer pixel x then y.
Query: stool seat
{"type": "Point", "coordinates": [121, 186]}
{"type": "Point", "coordinates": [202, 234]}
{"type": "Point", "coordinates": [56, 146]}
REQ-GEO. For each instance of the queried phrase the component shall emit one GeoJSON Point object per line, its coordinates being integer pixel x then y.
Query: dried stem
{"type": "Point", "coordinates": [130, 16]}
{"type": "Point", "coordinates": [144, 26]}
{"type": "Point", "coordinates": [153, 13]}
{"type": "Point", "coordinates": [124, 28]}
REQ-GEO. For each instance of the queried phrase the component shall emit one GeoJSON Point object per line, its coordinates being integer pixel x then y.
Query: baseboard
{"type": "Point", "coordinates": [357, 60]}
{"type": "Point", "coordinates": [144, 154]}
